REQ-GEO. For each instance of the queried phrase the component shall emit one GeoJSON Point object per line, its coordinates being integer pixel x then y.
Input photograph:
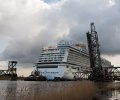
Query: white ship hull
{"type": "Point", "coordinates": [68, 76]}
{"type": "Point", "coordinates": [61, 72]}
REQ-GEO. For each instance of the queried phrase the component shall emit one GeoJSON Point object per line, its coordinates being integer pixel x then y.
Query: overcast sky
{"type": "Point", "coordinates": [28, 25]}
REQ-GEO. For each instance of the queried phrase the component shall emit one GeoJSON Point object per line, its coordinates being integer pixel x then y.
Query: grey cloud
{"type": "Point", "coordinates": [51, 1]}
{"type": "Point", "coordinates": [107, 20]}
{"type": "Point", "coordinates": [29, 26]}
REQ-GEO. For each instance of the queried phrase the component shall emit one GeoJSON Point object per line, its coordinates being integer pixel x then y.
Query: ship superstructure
{"type": "Point", "coordinates": [64, 60]}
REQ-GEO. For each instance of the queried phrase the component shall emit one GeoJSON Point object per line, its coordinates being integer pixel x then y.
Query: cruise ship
{"type": "Point", "coordinates": [63, 61]}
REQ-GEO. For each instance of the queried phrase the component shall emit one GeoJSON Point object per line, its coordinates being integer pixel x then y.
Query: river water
{"type": "Point", "coordinates": [23, 90]}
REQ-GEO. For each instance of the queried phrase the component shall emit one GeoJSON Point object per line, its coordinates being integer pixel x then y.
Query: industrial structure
{"type": "Point", "coordinates": [99, 73]}
{"type": "Point", "coordinates": [94, 52]}
{"type": "Point", "coordinates": [10, 73]}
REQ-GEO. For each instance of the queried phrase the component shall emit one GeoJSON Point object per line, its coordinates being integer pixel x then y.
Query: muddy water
{"type": "Point", "coordinates": [23, 90]}
{"type": "Point", "coordinates": [111, 93]}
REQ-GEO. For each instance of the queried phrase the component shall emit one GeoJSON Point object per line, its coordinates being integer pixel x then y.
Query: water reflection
{"type": "Point", "coordinates": [11, 90]}
{"type": "Point", "coordinates": [112, 92]}
{"type": "Point", "coordinates": [21, 90]}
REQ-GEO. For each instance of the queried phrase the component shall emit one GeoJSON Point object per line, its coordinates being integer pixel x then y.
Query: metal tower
{"type": "Point", "coordinates": [94, 52]}
{"type": "Point", "coordinates": [12, 68]}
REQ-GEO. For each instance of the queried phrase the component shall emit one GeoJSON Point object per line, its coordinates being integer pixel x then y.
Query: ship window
{"type": "Point", "coordinates": [73, 68]}
{"type": "Point", "coordinates": [52, 66]}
